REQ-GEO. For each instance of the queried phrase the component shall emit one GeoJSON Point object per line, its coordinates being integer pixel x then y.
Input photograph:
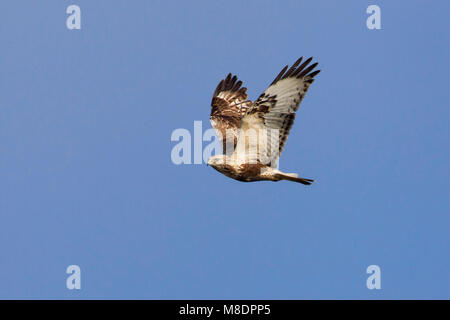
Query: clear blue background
{"type": "Point", "coordinates": [86, 176]}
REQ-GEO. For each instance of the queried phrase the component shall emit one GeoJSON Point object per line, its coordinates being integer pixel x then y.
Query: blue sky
{"type": "Point", "coordinates": [86, 176]}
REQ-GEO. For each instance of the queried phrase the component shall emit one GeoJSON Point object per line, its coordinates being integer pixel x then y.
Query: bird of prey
{"type": "Point", "coordinates": [253, 134]}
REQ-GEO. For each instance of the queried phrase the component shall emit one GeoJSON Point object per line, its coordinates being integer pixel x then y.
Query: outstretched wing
{"type": "Point", "coordinates": [273, 113]}
{"type": "Point", "coordinates": [228, 105]}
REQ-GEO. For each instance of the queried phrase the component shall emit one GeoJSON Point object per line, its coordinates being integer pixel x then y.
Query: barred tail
{"type": "Point", "coordinates": [294, 177]}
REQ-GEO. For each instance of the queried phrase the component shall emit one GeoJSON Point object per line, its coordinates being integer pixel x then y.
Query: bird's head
{"type": "Point", "coordinates": [217, 161]}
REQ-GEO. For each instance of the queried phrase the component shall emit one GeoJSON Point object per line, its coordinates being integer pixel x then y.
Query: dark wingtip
{"type": "Point", "coordinates": [313, 74]}
{"type": "Point", "coordinates": [278, 77]}
{"type": "Point", "coordinates": [296, 71]}
{"type": "Point", "coordinates": [305, 72]}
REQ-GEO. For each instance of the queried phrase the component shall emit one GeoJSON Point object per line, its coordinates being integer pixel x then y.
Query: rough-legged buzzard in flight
{"type": "Point", "coordinates": [253, 134]}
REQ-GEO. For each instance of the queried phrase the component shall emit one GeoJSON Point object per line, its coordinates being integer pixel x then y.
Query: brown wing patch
{"type": "Point", "coordinates": [228, 105]}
